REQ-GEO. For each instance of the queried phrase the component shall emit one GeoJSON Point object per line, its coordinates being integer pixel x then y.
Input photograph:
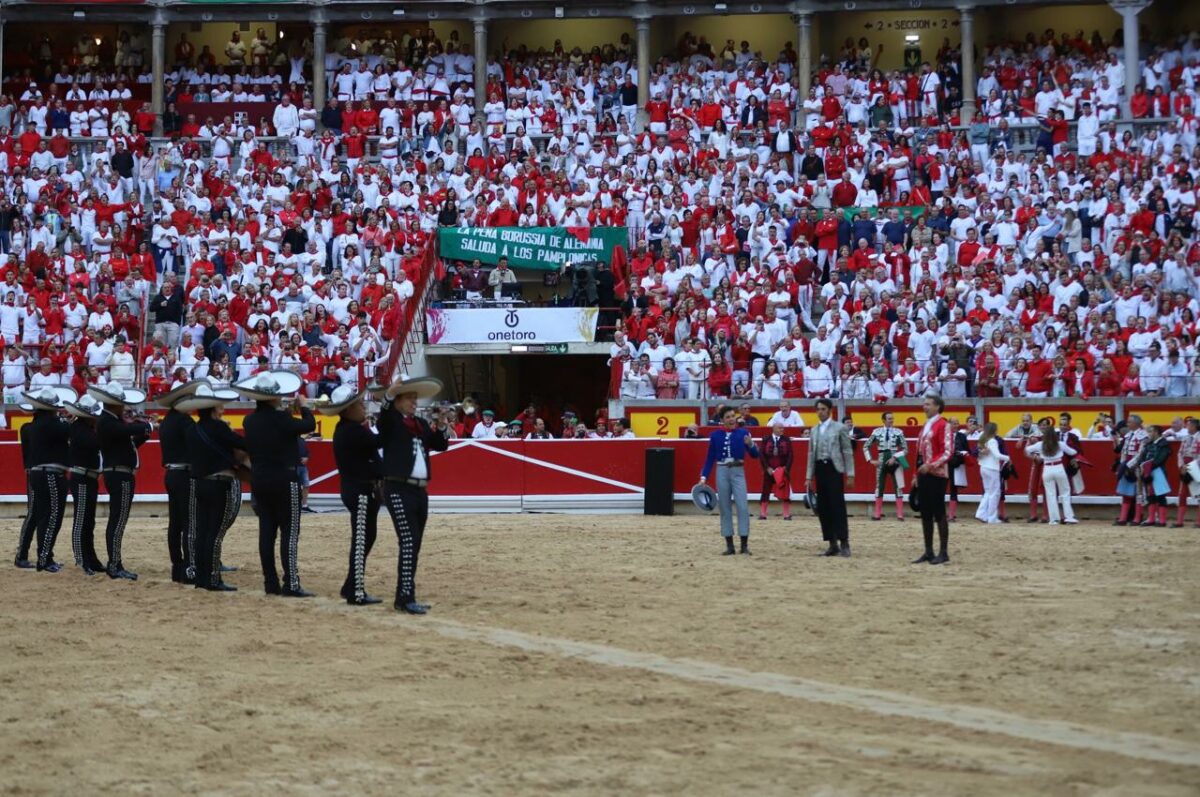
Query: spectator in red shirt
{"type": "Point", "coordinates": [1041, 375]}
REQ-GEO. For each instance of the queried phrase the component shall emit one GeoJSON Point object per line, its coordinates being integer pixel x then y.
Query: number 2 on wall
{"type": "Point", "coordinates": [663, 423]}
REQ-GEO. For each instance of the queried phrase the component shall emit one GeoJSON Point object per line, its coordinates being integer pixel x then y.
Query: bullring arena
{"type": "Point", "coordinates": [598, 228]}
{"type": "Point", "coordinates": [616, 654]}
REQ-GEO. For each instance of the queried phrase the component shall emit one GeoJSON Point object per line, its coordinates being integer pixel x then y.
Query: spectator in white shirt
{"type": "Point", "coordinates": [786, 416]}
{"type": "Point", "coordinates": [1154, 372]}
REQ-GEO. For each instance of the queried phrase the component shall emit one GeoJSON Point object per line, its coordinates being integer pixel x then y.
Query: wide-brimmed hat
{"type": "Point", "coordinates": [169, 398]}
{"type": "Point", "coordinates": [341, 398]}
{"type": "Point", "coordinates": [48, 397]}
{"type": "Point", "coordinates": [704, 497]}
{"type": "Point", "coordinates": [426, 387]}
{"type": "Point", "coordinates": [270, 385]}
{"type": "Point", "coordinates": [86, 407]}
{"type": "Point", "coordinates": [114, 394]}
{"type": "Point", "coordinates": [204, 397]}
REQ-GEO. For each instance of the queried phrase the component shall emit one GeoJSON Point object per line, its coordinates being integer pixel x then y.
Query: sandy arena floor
{"type": "Point", "coordinates": [603, 655]}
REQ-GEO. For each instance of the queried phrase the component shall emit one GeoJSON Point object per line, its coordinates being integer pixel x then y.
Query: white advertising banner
{"type": "Point", "coordinates": [512, 325]}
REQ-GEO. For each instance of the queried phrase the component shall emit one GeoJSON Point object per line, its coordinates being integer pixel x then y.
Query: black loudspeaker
{"type": "Point", "coordinates": [659, 498]}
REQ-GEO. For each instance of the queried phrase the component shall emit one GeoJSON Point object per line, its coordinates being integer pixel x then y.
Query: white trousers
{"type": "Point", "coordinates": [1054, 479]}
{"type": "Point", "coordinates": [989, 506]}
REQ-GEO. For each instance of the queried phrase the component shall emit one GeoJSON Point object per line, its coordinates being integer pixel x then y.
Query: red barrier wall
{"type": "Point", "coordinates": [583, 468]}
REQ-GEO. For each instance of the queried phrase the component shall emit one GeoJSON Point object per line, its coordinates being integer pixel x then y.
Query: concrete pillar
{"type": "Point", "coordinates": [1129, 10]}
{"type": "Point", "coordinates": [158, 66]}
{"type": "Point", "coordinates": [803, 57]}
{"type": "Point", "coordinates": [966, 15]}
{"type": "Point", "coordinates": [481, 58]}
{"type": "Point", "coordinates": [2, 51]}
{"type": "Point", "coordinates": [643, 67]}
{"type": "Point", "coordinates": [320, 84]}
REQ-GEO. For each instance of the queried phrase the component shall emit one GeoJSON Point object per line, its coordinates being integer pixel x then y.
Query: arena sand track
{"type": "Point", "coordinates": [862, 676]}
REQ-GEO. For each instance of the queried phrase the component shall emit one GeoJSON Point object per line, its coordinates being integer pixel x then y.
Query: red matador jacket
{"type": "Point", "coordinates": [935, 446]}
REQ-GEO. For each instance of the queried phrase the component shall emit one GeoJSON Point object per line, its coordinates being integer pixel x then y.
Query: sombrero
{"type": "Point", "coordinates": [169, 398]}
{"type": "Point", "coordinates": [86, 407]}
{"type": "Point", "coordinates": [204, 397]}
{"type": "Point", "coordinates": [114, 394]}
{"type": "Point", "coordinates": [67, 394]}
{"type": "Point", "coordinates": [46, 398]}
{"type": "Point", "coordinates": [426, 387]}
{"type": "Point", "coordinates": [343, 397]}
{"type": "Point", "coordinates": [704, 497]}
{"type": "Point", "coordinates": [270, 385]}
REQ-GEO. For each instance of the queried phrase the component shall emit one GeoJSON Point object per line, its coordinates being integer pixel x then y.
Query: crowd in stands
{"type": "Point", "coordinates": [863, 241]}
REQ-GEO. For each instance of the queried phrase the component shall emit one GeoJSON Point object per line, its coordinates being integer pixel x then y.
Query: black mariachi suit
{"type": "Point", "coordinates": [271, 441]}
{"type": "Point", "coordinates": [177, 481]}
{"type": "Point", "coordinates": [210, 444]}
{"type": "Point", "coordinates": [85, 486]}
{"type": "Point", "coordinates": [119, 442]}
{"type": "Point", "coordinates": [356, 450]}
{"type": "Point", "coordinates": [25, 538]}
{"type": "Point", "coordinates": [407, 503]}
{"type": "Point", "coordinates": [49, 441]}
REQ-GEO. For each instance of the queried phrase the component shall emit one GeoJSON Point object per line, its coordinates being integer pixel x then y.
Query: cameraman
{"type": "Point", "coordinates": [583, 285]}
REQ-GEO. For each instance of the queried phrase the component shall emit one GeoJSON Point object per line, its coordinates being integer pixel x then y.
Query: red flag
{"type": "Point", "coordinates": [581, 233]}
{"type": "Point", "coordinates": [620, 273]}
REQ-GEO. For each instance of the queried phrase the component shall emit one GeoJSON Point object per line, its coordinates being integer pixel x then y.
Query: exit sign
{"type": "Point", "coordinates": [538, 348]}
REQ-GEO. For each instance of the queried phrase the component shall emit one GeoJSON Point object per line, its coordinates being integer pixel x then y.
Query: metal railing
{"type": "Point", "coordinates": [1024, 141]}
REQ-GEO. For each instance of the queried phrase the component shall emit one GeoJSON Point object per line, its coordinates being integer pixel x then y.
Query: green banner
{"type": "Point", "coordinates": [905, 211]}
{"type": "Point", "coordinates": [544, 248]}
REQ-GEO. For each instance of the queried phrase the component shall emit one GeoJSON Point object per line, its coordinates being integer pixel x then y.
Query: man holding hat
{"type": "Point", "coordinates": [272, 441]}
{"type": "Point", "coordinates": [49, 446]}
{"type": "Point", "coordinates": [27, 437]}
{"type": "Point", "coordinates": [727, 450]}
{"type": "Point", "coordinates": [177, 483]}
{"type": "Point", "coordinates": [210, 449]}
{"type": "Point", "coordinates": [356, 451]}
{"type": "Point", "coordinates": [85, 481]}
{"type": "Point", "coordinates": [407, 441]}
{"type": "Point", "coordinates": [119, 441]}
{"type": "Point", "coordinates": [830, 469]}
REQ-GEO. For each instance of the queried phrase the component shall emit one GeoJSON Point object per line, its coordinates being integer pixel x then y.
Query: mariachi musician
{"type": "Point", "coordinates": [273, 443]}
{"type": "Point", "coordinates": [29, 524]}
{"type": "Point", "coordinates": [177, 483]}
{"type": "Point", "coordinates": [85, 481]}
{"type": "Point", "coordinates": [49, 440]}
{"type": "Point", "coordinates": [356, 452]}
{"type": "Point", "coordinates": [213, 457]}
{"type": "Point", "coordinates": [121, 432]}
{"type": "Point", "coordinates": [407, 442]}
